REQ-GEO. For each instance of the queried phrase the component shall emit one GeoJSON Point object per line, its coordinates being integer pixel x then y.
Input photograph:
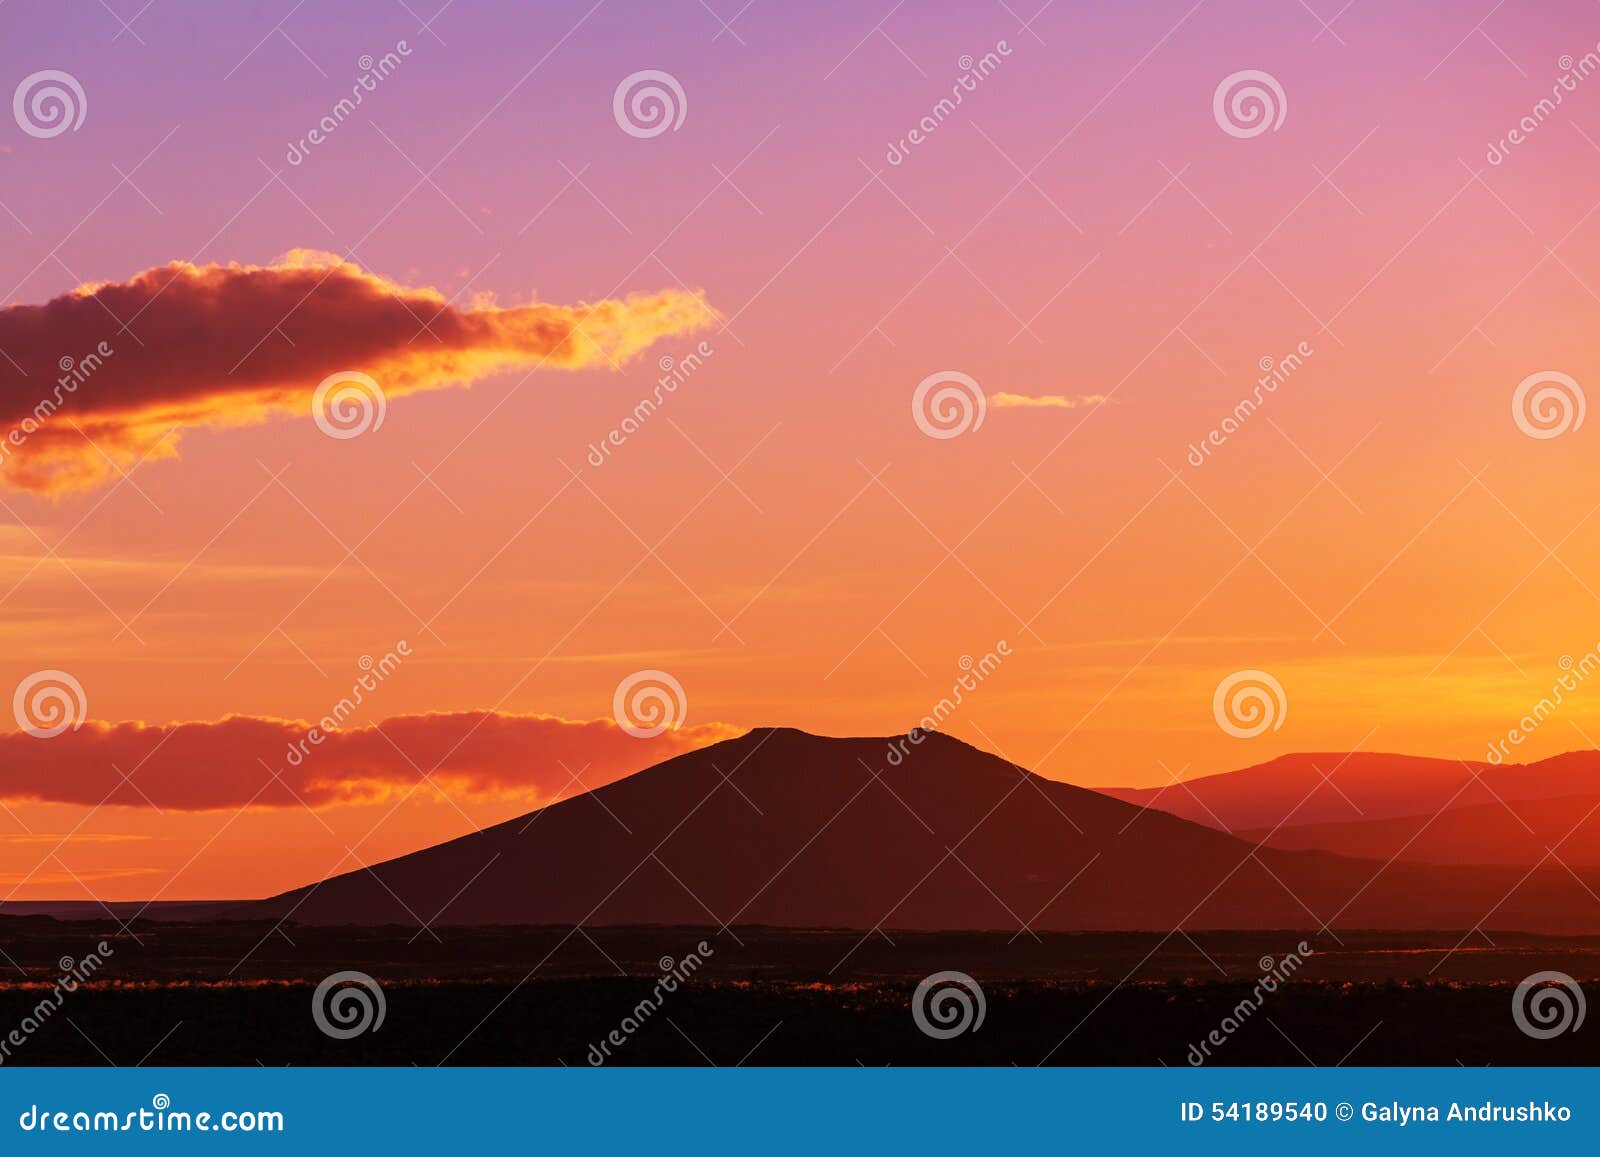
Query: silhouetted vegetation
{"type": "Point", "coordinates": [241, 993]}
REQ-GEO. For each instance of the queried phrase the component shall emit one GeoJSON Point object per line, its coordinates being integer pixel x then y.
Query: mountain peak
{"type": "Point", "coordinates": [776, 737]}
{"type": "Point", "coordinates": [789, 829]}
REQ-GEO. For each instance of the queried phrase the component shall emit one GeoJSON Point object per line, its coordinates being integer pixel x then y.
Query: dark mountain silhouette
{"type": "Point", "coordinates": [779, 827]}
{"type": "Point", "coordinates": [1519, 833]}
{"type": "Point", "coordinates": [1352, 786]}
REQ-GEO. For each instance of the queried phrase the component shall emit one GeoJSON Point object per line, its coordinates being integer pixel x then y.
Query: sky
{"type": "Point", "coordinates": [797, 265]}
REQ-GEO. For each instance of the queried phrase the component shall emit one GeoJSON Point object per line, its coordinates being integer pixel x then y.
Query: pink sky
{"type": "Point", "coordinates": [780, 536]}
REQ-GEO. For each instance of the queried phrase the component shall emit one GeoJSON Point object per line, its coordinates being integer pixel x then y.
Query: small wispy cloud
{"type": "Point", "coordinates": [1046, 401]}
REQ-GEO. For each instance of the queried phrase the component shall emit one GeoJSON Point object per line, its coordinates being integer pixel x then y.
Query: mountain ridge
{"type": "Point", "coordinates": [1337, 787]}
{"type": "Point", "coordinates": [784, 828]}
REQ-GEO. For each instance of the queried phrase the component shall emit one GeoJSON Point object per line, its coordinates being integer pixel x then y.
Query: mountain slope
{"type": "Point", "coordinates": [784, 828]}
{"type": "Point", "coordinates": [1339, 788]}
{"type": "Point", "coordinates": [1517, 833]}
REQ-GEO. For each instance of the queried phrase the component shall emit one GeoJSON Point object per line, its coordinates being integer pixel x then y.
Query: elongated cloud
{"type": "Point", "coordinates": [1046, 401]}
{"type": "Point", "coordinates": [221, 345]}
{"type": "Point", "coordinates": [252, 761]}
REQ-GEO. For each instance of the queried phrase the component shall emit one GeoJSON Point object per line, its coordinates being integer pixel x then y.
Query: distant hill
{"type": "Point", "coordinates": [1516, 833]}
{"type": "Point", "coordinates": [1346, 786]}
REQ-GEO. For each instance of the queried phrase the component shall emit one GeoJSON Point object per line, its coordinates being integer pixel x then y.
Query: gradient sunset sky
{"type": "Point", "coordinates": [1382, 535]}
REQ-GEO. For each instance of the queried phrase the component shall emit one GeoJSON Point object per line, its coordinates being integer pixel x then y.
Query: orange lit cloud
{"type": "Point", "coordinates": [215, 345]}
{"type": "Point", "coordinates": [1046, 401]}
{"type": "Point", "coordinates": [242, 760]}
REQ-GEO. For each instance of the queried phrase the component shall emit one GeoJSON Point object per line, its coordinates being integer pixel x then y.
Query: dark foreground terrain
{"type": "Point", "coordinates": [242, 993]}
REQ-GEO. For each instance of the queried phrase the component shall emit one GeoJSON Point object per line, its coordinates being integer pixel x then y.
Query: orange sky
{"type": "Point", "coordinates": [779, 535]}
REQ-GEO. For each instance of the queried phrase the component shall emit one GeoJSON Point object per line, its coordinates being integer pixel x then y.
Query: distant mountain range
{"type": "Point", "coordinates": [780, 827]}
{"type": "Point", "coordinates": [1382, 807]}
{"type": "Point", "coordinates": [1343, 787]}
{"type": "Point", "coordinates": [1515, 833]}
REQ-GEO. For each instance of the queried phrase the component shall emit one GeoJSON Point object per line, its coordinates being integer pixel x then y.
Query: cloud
{"type": "Point", "coordinates": [56, 839]}
{"type": "Point", "coordinates": [1046, 401]}
{"type": "Point", "coordinates": [77, 877]}
{"type": "Point", "coordinates": [226, 345]}
{"type": "Point", "coordinates": [244, 760]}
